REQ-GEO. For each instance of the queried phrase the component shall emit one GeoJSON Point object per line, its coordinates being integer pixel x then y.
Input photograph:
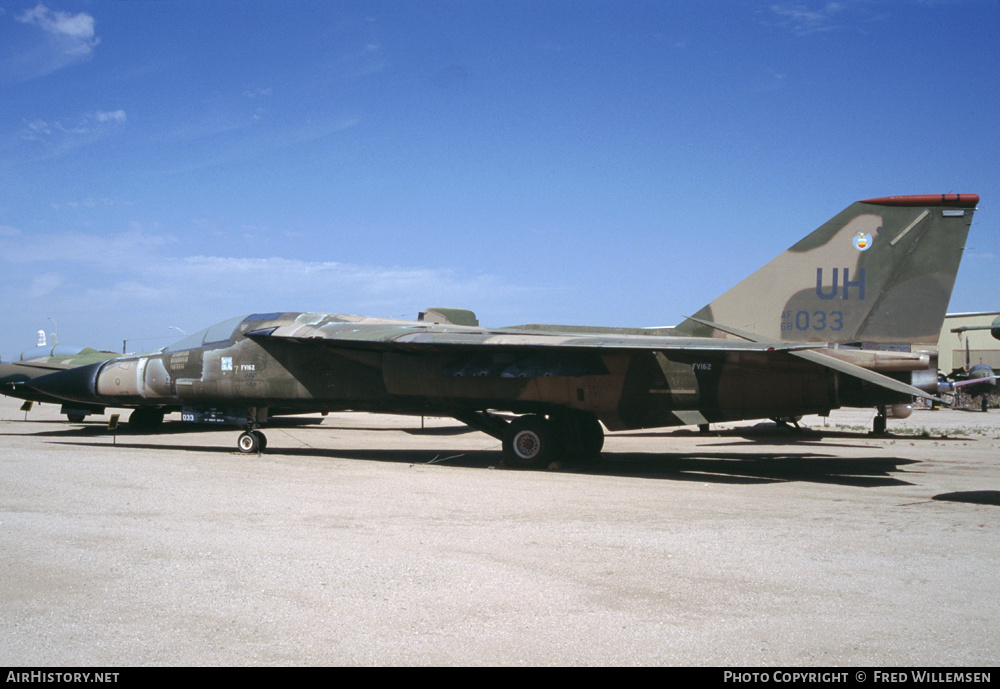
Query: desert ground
{"type": "Point", "coordinates": [357, 539]}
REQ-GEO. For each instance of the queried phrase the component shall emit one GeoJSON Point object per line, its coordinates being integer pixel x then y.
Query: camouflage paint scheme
{"type": "Point", "coordinates": [43, 360]}
{"type": "Point", "coordinates": [886, 275]}
{"type": "Point", "coordinates": [846, 317]}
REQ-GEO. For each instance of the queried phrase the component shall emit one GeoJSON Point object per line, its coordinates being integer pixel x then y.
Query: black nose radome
{"type": "Point", "coordinates": [74, 384]}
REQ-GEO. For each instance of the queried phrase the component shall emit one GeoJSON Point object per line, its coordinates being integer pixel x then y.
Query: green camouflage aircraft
{"type": "Point", "coordinates": [848, 316]}
{"type": "Point", "coordinates": [43, 360]}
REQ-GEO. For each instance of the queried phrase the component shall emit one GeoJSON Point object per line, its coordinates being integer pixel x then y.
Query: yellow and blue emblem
{"type": "Point", "coordinates": [862, 241]}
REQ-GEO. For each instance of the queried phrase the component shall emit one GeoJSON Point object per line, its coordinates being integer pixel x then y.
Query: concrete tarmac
{"type": "Point", "coordinates": [367, 540]}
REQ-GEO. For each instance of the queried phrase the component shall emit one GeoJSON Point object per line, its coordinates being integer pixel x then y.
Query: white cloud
{"type": "Point", "coordinates": [293, 281]}
{"type": "Point", "coordinates": [37, 130]}
{"type": "Point", "coordinates": [115, 116]}
{"type": "Point", "coordinates": [112, 252]}
{"type": "Point", "coordinates": [135, 267]}
{"type": "Point", "coordinates": [50, 41]}
{"type": "Point", "coordinates": [74, 32]}
{"type": "Point", "coordinates": [132, 285]}
{"type": "Point", "coordinates": [804, 19]}
{"type": "Point", "coordinates": [44, 284]}
{"type": "Point", "coordinates": [64, 135]}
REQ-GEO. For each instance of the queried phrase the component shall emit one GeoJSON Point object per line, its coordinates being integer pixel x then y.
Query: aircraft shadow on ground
{"type": "Point", "coordinates": [736, 467]}
{"type": "Point", "coordinates": [732, 467]}
{"type": "Point", "coordinates": [442, 431]}
{"type": "Point", "coordinates": [770, 434]}
{"type": "Point", "coordinates": [177, 427]}
{"type": "Point", "coordinates": [100, 429]}
{"type": "Point", "coordinates": [977, 497]}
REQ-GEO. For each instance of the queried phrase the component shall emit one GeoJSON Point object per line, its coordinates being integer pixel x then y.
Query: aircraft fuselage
{"type": "Point", "coordinates": [624, 389]}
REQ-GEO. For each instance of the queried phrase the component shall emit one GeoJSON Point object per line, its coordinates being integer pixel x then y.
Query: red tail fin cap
{"type": "Point", "coordinates": [961, 200]}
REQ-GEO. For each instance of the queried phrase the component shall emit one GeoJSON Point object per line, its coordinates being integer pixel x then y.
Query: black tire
{"type": "Point", "coordinates": [75, 418]}
{"type": "Point", "coordinates": [262, 439]}
{"type": "Point", "coordinates": [588, 438]}
{"type": "Point", "coordinates": [248, 442]}
{"type": "Point", "coordinates": [145, 419]}
{"type": "Point", "coordinates": [530, 442]}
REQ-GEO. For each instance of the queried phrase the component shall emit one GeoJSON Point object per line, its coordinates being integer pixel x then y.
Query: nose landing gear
{"type": "Point", "coordinates": [251, 441]}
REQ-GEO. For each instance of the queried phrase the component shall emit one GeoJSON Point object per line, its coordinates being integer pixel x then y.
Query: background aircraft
{"type": "Point", "coordinates": [979, 380]}
{"type": "Point", "coordinates": [42, 360]}
{"type": "Point", "coordinates": [848, 316]}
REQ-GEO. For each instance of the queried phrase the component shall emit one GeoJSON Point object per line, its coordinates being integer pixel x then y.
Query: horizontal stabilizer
{"type": "Point", "coordinates": [850, 369]}
{"type": "Point", "coordinates": [816, 356]}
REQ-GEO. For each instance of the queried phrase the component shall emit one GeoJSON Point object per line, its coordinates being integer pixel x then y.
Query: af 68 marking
{"type": "Point", "coordinates": [812, 320]}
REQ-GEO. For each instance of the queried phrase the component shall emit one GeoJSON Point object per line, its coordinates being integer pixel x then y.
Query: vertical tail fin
{"type": "Point", "coordinates": [882, 271]}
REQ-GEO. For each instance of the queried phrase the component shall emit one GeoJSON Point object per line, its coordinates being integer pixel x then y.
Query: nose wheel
{"type": "Point", "coordinates": [251, 441]}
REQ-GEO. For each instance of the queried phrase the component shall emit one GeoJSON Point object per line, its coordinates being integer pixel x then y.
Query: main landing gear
{"type": "Point", "coordinates": [145, 419]}
{"type": "Point", "coordinates": [879, 425]}
{"type": "Point", "coordinates": [790, 422]}
{"type": "Point", "coordinates": [535, 441]}
{"type": "Point", "coordinates": [529, 441]}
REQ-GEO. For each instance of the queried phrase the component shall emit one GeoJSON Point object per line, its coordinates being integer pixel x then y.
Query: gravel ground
{"type": "Point", "coordinates": [368, 540]}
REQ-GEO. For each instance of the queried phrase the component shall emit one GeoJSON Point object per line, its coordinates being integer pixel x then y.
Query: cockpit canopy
{"type": "Point", "coordinates": [220, 334]}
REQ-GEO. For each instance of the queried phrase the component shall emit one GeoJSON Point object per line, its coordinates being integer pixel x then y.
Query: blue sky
{"type": "Point", "coordinates": [169, 164]}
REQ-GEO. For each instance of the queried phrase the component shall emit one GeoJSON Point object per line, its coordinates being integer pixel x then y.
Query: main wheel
{"type": "Point", "coordinates": [530, 442]}
{"type": "Point", "coordinates": [145, 419]}
{"type": "Point", "coordinates": [580, 434]}
{"type": "Point", "coordinates": [262, 439]}
{"type": "Point", "coordinates": [248, 442]}
{"type": "Point", "coordinates": [593, 437]}
{"type": "Point", "coordinates": [588, 438]}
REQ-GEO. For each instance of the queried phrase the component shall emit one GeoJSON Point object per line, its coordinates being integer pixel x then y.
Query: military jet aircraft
{"type": "Point", "coordinates": [848, 316]}
{"type": "Point", "coordinates": [993, 327]}
{"type": "Point", "coordinates": [42, 360]}
{"type": "Point", "coordinates": [977, 380]}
